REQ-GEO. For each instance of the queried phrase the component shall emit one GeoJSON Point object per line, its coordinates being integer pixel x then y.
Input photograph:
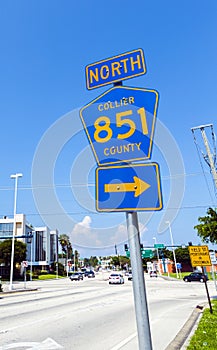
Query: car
{"type": "Point", "coordinates": [76, 276]}
{"type": "Point", "coordinates": [116, 278]}
{"type": "Point", "coordinates": [195, 276]}
{"type": "Point", "coordinates": [153, 274]}
{"type": "Point", "coordinates": [90, 274]}
{"type": "Point", "coordinates": [81, 275]}
{"type": "Point", "coordinates": [130, 276]}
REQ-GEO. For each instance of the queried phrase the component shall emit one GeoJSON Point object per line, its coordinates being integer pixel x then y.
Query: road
{"type": "Point", "coordinates": [93, 315]}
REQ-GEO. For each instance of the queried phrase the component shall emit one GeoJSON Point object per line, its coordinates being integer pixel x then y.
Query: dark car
{"type": "Point", "coordinates": [89, 274]}
{"type": "Point", "coordinates": [76, 276]}
{"type": "Point", "coordinates": [195, 276]}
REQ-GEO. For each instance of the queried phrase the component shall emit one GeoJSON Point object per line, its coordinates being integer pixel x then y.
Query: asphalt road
{"type": "Point", "coordinates": [94, 315]}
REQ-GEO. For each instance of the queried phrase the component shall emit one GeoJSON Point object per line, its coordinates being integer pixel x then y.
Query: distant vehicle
{"type": "Point", "coordinates": [81, 275]}
{"type": "Point", "coordinates": [195, 276]}
{"type": "Point", "coordinates": [89, 274]}
{"type": "Point", "coordinates": [153, 274]}
{"type": "Point", "coordinates": [130, 276]}
{"type": "Point", "coordinates": [76, 276]}
{"type": "Point", "coordinates": [116, 278]}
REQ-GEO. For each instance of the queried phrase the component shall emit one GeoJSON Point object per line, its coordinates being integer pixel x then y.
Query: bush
{"type": "Point", "coordinates": [43, 272]}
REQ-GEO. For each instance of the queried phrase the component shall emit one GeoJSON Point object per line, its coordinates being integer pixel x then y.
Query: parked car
{"type": "Point", "coordinates": [195, 276]}
{"type": "Point", "coordinates": [116, 278]}
{"type": "Point", "coordinates": [153, 274]}
{"type": "Point", "coordinates": [76, 276]}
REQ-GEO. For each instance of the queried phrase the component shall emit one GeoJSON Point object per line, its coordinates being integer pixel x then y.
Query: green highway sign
{"type": "Point", "coordinates": [159, 246]}
{"type": "Point", "coordinates": [147, 253]}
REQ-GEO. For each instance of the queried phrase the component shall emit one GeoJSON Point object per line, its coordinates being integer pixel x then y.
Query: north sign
{"type": "Point", "coordinates": [124, 66]}
{"type": "Point", "coordinates": [120, 124]}
{"type": "Point", "coordinates": [133, 187]}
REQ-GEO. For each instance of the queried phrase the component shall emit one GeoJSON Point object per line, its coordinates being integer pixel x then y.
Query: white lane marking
{"type": "Point", "coordinates": [47, 344]}
{"type": "Point", "coordinates": [124, 342]}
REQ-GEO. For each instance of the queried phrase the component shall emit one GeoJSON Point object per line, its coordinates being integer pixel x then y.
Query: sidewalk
{"type": "Point", "coordinates": [17, 287]}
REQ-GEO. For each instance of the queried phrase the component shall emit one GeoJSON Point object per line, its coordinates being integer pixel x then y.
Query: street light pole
{"type": "Point", "coordinates": [172, 243]}
{"type": "Point", "coordinates": [15, 176]}
{"type": "Point", "coordinates": [158, 260]}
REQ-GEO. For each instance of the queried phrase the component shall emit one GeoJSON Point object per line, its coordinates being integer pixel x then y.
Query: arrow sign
{"type": "Point", "coordinates": [138, 186]}
{"type": "Point", "coordinates": [133, 187]}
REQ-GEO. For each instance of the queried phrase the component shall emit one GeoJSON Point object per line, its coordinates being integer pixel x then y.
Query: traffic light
{"type": "Point", "coordinates": [126, 247]}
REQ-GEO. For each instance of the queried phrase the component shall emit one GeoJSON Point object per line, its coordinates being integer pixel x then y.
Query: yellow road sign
{"type": "Point", "coordinates": [200, 255]}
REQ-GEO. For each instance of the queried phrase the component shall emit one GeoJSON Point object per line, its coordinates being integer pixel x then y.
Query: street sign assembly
{"type": "Point", "coordinates": [199, 255]}
{"type": "Point", "coordinates": [120, 124]}
{"type": "Point", "coordinates": [133, 187]}
{"type": "Point", "coordinates": [120, 127]}
{"type": "Point", "coordinates": [124, 66]}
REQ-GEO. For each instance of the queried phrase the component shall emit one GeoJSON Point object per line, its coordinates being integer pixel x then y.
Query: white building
{"type": "Point", "coordinates": [42, 244]}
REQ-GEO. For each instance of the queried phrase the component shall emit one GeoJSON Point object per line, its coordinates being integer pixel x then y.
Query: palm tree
{"type": "Point", "coordinates": [65, 245]}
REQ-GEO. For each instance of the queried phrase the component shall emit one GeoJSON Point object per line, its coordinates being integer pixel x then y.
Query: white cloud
{"type": "Point", "coordinates": [90, 240]}
{"type": "Point", "coordinates": [83, 235]}
{"type": "Point", "coordinates": [86, 222]}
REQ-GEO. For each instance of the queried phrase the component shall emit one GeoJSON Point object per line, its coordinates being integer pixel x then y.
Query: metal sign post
{"type": "Point", "coordinates": [139, 291]}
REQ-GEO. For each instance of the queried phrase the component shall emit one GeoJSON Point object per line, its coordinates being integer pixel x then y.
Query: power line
{"type": "Point", "coordinates": [75, 185]}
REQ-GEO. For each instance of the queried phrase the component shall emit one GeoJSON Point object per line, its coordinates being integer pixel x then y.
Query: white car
{"type": "Point", "coordinates": [116, 278]}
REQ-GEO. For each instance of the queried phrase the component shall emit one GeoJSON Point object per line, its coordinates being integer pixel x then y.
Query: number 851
{"type": "Point", "coordinates": [102, 124]}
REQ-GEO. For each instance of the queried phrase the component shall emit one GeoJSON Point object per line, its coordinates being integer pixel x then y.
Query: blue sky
{"type": "Point", "coordinates": [45, 47]}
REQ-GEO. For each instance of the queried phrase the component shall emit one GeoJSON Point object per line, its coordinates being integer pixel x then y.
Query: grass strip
{"type": "Point", "coordinates": [205, 336]}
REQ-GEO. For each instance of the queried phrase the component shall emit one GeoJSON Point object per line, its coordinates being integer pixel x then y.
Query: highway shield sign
{"type": "Point", "coordinates": [124, 66]}
{"type": "Point", "coordinates": [199, 255]}
{"type": "Point", "coordinates": [120, 124]}
{"type": "Point", "coordinates": [128, 188]}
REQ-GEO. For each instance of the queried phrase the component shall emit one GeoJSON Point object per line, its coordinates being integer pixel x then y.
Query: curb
{"type": "Point", "coordinates": [17, 290]}
{"type": "Point", "coordinates": [183, 334]}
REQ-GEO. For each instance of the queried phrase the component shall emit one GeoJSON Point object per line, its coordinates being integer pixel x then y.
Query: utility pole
{"type": "Point", "coordinates": [209, 157]}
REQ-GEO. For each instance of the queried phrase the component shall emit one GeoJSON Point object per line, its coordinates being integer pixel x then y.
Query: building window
{"type": "Point", "coordinates": [6, 229]}
{"type": "Point", "coordinates": [40, 241]}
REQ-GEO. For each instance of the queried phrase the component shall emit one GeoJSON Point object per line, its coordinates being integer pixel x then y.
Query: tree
{"type": "Point", "coordinates": [182, 255]}
{"type": "Point", "coordinates": [207, 229]}
{"type": "Point", "coordinates": [5, 252]}
{"type": "Point", "coordinates": [93, 261]}
{"type": "Point", "coordinates": [65, 245]}
{"type": "Point", "coordinates": [115, 261]}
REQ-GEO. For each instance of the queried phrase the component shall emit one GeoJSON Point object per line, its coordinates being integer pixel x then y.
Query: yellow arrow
{"type": "Point", "coordinates": [138, 186]}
